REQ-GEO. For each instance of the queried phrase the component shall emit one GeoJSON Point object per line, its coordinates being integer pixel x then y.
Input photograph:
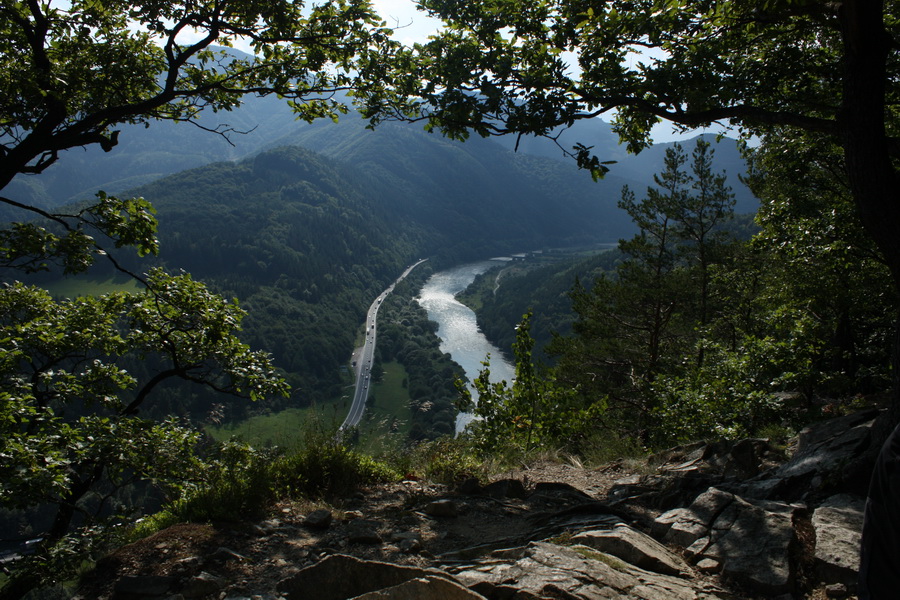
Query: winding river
{"type": "Point", "coordinates": [457, 328]}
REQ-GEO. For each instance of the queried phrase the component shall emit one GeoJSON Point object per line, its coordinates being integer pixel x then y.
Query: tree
{"type": "Point", "coordinates": [530, 412]}
{"type": "Point", "coordinates": [765, 67]}
{"type": "Point", "coordinates": [646, 277]}
{"type": "Point", "coordinates": [70, 74]}
{"type": "Point", "coordinates": [700, 219]}
{"type": "Point", "coordinates": [819, 260]}
{"type": "Point", "coordinates": [641, 322]}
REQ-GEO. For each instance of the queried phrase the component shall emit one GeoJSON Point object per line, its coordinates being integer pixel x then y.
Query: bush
{"type": "Point", "coordinates": [325, 468]}
{"type": "Point", "coordinates": [235, 482]}
{"type": "Point", "coordinates": [444, 460]}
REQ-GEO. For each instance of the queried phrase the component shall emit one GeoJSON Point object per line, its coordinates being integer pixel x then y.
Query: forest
{"type": "Point", "coordinates": [694, 328]}
{"type": "Point", "coordinates": [247, 276]}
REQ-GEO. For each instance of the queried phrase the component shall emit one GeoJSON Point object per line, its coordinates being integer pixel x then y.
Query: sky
{"type": "Point", "coordinates": [410, 25]}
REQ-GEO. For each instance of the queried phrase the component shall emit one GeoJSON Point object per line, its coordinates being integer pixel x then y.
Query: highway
{"type": "Point", "coordinates": [362, 358]}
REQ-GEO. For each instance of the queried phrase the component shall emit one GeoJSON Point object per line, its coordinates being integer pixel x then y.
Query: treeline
{"type": "Point", "coordinates": [691, 330]}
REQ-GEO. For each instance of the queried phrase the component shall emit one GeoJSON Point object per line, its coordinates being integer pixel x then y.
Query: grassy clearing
{"type": "Point", "coordinates": [384, 427]}
{"type": "Point", "coordinates": [387, 419]}
{"type": "Point", "coordinates": [74, 287]}
{"type": "Point", "coordinates": [284, 429]}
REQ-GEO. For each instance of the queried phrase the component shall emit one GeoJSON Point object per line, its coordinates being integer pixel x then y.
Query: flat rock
{"type": "Point", "coordinates": [339, 577]}
{"type": "Point", "coordinates": [838, 524]}
{"type": "Point", "coordinates": [424, 588]}
{"type": "Point", "coordinates": [633, 547]}
{"type": "Point", "coordinates": [544, 570]}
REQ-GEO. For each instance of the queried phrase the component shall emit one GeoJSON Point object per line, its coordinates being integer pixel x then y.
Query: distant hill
{"type": "Point", "coordinates": [638, 167]}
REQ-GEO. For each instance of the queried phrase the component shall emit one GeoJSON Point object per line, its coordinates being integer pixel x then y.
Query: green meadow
{"type": "Point", "coordinates": [385, 424]}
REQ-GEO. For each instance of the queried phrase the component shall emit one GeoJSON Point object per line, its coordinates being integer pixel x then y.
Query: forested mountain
{"type": "Point", "coordinates": [305, 241]}
{"type": "Point", "coordinates": [305, 222]}
{"type": "Point", "coordinates": [306, 237]}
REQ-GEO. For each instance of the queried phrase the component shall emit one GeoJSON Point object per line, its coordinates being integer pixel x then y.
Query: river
{"type": "Point", "coordinates": [457, 328]}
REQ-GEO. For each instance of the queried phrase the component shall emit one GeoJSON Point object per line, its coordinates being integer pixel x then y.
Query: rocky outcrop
{"type": "Point", "coordinates": [544, 570]}
{"type": "Point", "coordinates": [633, 547]}
{"type": "Point", "coordinates": [830, 457]}
{"type": "Point", "coordinates": [750, 541]}
{"type": "Point", "coordinates": [730, 520]}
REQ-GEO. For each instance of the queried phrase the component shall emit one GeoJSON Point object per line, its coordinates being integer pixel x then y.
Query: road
{"type": "Point", "coordinates": [362, 359]}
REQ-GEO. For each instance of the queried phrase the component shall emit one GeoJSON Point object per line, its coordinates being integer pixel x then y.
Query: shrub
{"type": "Point", "coordinates": [235, 482]}
{"type": "Point", "coordinates": [325, 468]}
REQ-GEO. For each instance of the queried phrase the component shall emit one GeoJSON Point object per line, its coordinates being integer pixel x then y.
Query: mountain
{"type": "Point", "coordinates": [305, 223]}
{"type": "Point", "coordinates": [145, 154]}
{"type": "Point", "coordinates": [477, 189]}
{"type": "Point", "coordinates": [305, 241]}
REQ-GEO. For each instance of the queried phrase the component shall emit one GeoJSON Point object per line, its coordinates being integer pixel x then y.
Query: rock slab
{"type": "Point", "coordinates": [544, 570]}
{"type": "Point", "coordinates": [339, 577]}
{"type": "Point", "coordinates": [838, 525]}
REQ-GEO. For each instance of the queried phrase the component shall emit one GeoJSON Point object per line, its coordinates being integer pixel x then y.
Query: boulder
{"type": "Point", "coordinates": [684, 526]}
{"type": "Point", "coordinates": [441, 508]}
{"type": "Point", "coordinates": [752, 542]}
{"type": "Point", "coordinates": [204, 584]}
{"type": "Point", "coordinates": [826, 459]}
{"type": "Point", "coordinates": [838, 525]}
{"type": "Point", "coordinates": [749, 539]}
{"type": "Point", "coordinates": [363, 531]}
{"type": "Point", "coordinates": [409, 542]}
{"type": "Point", "coordinates": [319, 519]}
{"type": "Point", "coordinates": [505, 488]}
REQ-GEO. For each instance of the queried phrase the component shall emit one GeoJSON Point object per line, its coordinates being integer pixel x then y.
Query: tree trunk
{"type": "Point", "coordinates": [873, 180]}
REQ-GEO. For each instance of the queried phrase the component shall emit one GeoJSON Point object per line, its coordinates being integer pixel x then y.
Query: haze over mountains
{"type": "Point", "coordinates": [145, 154]}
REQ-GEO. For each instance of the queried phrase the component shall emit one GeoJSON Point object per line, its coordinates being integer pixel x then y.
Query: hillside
{"type": "Point", "coordinates": [164, 148]}
{"type": "Point", "coordinates": [305, 241]}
